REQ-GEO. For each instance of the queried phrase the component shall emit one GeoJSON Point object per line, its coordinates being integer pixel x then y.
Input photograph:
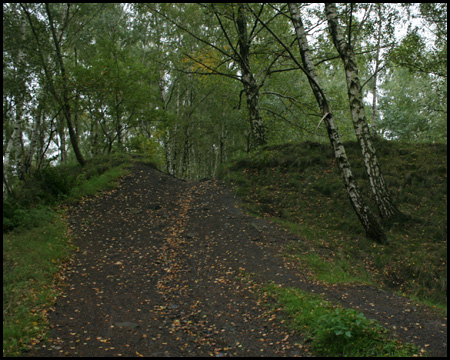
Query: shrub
{"type": "Point", "coordinates": [16, 216]}
{"type": "Point", "coordinates": [343, 331]}
{"type": "Point", "coordinates": [57, 180]}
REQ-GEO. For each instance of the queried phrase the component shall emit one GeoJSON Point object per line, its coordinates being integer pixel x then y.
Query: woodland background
{"type": "Point", "coordinates": [81, 80]}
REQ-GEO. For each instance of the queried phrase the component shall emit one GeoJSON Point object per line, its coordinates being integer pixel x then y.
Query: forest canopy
{"type": "Point", "coordinates": [192, 85]}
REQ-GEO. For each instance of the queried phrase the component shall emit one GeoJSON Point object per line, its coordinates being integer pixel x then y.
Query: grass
{"type": "Point", "coordinates": [101, 182]}
{"type": "Point", "coordinates": [30, 260]}
{"type": "Point", "coordinates": [298, 185]}
{"type": "Point", "coordinates": [36, 246]}
{"type": "Point", "coordinates": [332, 330]}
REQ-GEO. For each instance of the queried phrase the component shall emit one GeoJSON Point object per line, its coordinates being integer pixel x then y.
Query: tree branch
{"type": "Point", "coordinates": [288, 121]}
{"type": "Point", "coordinates": [213, 71]}
{"type": "Point", "coordinates": [291, 55]}
{"type": "Point", "coordinates": [280, 95]}
{"type": "Point", "coordinates": [371, 76]}
{"type": "Point", "coordinates": [194, 35]}
{"type": "Point", "coordinates": [223, 30]}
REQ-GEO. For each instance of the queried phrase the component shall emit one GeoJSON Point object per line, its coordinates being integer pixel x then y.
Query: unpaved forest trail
{"type": "Point", "coordinates": [158, 273]}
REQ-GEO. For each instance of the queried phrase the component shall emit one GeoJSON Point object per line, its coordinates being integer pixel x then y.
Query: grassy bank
{"type": "Point", "coordinates": [331, 330]}
{"type": "Point", "coordinates": [298, 185]}
{"type": "Point", "coordinates": [326, 328]}
{"type": "Point", "coordinates": [36, 246]}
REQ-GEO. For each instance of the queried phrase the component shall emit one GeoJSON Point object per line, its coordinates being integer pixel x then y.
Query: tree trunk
{"type": "Point", "coordinates": [6, 167]}
{"type": "Point", "coordinates": [19, 100]}
{"type": "Point", "coordinates": [168, 152]}
{"type": "Point", "coordinates": [65, 93]}
{"type": "Point", "coordinates": [62, 138]}
{"type": "Point", "coordinates": [386, 206]}
{"type": "Point", "coordinates": [367, 219]}
{"type": "Point", "coordinates": [118, 122]}
{"type": "Point", "coordinates": [34, 138]}
{"type": "Point", "coordinates": [251, 87]}
{"type": "Point", "coordinates": [375, 76]}
{"type": "Point", "coordinates": [17, 141]}
{"type": "Point", "coordinates": [223, 141]}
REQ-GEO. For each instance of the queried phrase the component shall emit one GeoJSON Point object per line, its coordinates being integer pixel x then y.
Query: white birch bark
{"type": "Point", "coordinates": [370, 224]}
{"type": "Point", "coordinates": [378, 186]}
{"type": "Point", "coordinates": [251, 87]}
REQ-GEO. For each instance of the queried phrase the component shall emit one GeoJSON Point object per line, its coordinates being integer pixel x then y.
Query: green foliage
{"type": "Point", "coordinates": [105, 181]}
{"type": "Point", "coordinates": [413, 107]}
{"type": "Point", "coordinates": [334, 331]}
{"type": "Point", "coordinates": [344, 325]}
{"type": "Point", "coordinates": [149, 147]}
{"type": "Point", "coordinates": [29, 204]}
{"type": "Point", "coordinates": [26, 218]}
{"type": "Point", "coordinates": [348, 333]}
{"type": "Point", "coordinates": [298, 186]}
{"type": "Point", "coordinates": [132, 72]}
{"type": "Point", "coordinates": [426, 53]}
{"type": "Point", "coordinates": [57, 181]}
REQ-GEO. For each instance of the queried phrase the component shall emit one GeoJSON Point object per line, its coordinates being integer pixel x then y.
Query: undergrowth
{"type": "Point", "coordinates": [298, 185]}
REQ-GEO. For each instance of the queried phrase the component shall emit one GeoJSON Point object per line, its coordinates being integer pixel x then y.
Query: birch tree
{"type": "Point", "coordinates": [378, 186]}
{"type": "Point", "coordinates": [371, 226]}
{"type": "Point", "coordinates": [15, 141]}
{"type": "Point", "coordinates": [251, 86]}
{"type": "Point", "coordinates": [369, 222]}
{"type": "Point", "coordinates": [367, 219]}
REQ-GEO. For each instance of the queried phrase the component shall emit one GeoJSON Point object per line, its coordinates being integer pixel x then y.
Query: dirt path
{"type": "Point", "coordinates": [157, 274]}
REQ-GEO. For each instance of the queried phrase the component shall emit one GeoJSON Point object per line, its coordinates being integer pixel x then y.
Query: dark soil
{"type": "Point", "coordinates": [159, 269]}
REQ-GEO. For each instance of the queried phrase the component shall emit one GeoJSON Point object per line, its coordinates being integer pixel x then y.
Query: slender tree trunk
{"type": "Point", "coordinates": [251, 87]}
{"type": "Point", "coordinates": [117, 104]}
{"type": "Point", "coordinates": [386, 206]}
{"type": "Point", "coordinates": [34, 138]}
{"type": "Point", "coordinates": [6, 169]}
{"type": "Point", "coordinates": [193, 169]}
{"type": "Point", "coordinates": [17, 140]}
{"type": "Point", "coordinates": [60, 128]}
{"type": "Point", "coordinates": [369, 222]}
{"type": "Point", "coordinates": [167, 132]}
{"type": "Point", "coordinates": [186, 158]}
{"type": "Point", "coordinates": [223, 143]}
{"type": "Point", "coordinates": [168, 152]}
{"type": "Point", "coordinates": [19, 102]}
{"type": "Point", "coordinates": [94, 135]}
{"type": "Point", "coordinates": [118, 122]}
{"type": "Point", "coordinates": [65, 93]}
{"type": "Point", "coordinates": [375, 77]}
